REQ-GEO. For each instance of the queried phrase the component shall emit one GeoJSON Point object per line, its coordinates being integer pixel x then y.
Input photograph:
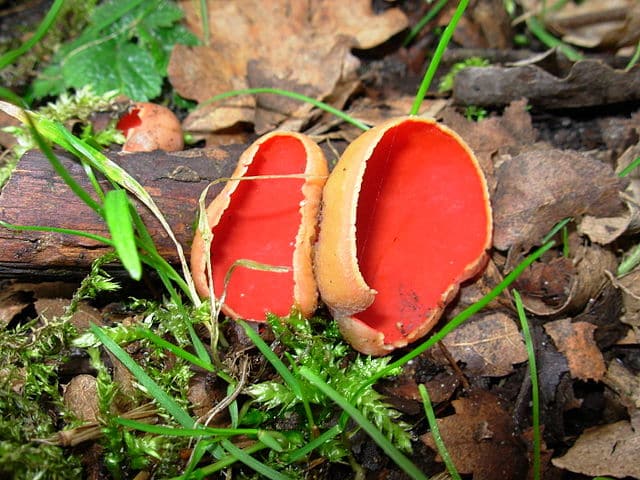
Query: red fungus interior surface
{"type": "Point", "coordinates": [129, 120]}
{"type": "Point", "coordinates": [421, 219]}
{"type": "Point", "coordinates": [261, 224]}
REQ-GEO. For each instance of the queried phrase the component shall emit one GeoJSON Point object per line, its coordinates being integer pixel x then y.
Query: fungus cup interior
{"type": "Point", "coordinates": [260, 224]}
{"type": "Point", "coordinates": [129, 120]}
{"type": "Point", "coordinates": [422, 223]}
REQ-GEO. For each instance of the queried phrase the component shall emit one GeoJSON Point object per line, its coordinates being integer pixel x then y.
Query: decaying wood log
{"type": "Point", "coordinates": [36, 195]}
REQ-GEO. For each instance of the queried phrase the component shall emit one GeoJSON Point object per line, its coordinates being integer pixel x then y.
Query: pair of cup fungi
{"type": "Point", "coordinates": [386, 238]}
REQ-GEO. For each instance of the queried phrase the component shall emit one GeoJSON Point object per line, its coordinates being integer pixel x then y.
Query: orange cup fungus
{"type": "Point", "coordinates": [405, 219]}
{"type": "Point", "coordinates": [269, 219]}
{"type": "Point", "coordinates": [148, 127]}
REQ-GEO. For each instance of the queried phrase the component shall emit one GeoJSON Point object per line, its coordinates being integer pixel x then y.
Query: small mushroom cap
{"type": "Point", "coordinates": [405, 219]}
{"type": "Point", "coordinates": [271, 221]}
{"type": "Point", "coordinates": [148, 127]}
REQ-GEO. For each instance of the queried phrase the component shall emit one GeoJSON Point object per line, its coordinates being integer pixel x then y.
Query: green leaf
{"type": "Point", "coordinates": [139, 78]}
{"type": "Point", "coordinates": [123, 66]}
{"type": "Point", "coordinates": [118, 217]}
{"type": "Point", "coordinates": [112, 11]}
{"type": "Point", "coordinates": [164, 15]}
{"type": "Point", "coordinates": [132, 39]}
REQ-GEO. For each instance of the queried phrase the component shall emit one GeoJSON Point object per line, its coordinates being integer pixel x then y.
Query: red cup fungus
{"type": "Point", "coordinates": [405, 219]}
{"type": "Point", "coordinates": [268, 220]}
{"type": "Point", "coordinates": [147, 127]}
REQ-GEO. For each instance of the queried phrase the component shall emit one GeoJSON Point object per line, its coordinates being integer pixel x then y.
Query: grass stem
{"type": "Point", "coordinates": [437, 56]}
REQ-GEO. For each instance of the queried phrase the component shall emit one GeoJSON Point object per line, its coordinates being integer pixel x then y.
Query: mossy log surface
{"type": "Point", "coordinates": [36, 195]}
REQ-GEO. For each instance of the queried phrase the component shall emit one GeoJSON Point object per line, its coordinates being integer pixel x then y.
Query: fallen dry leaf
{"type": "Point", "coordinates": [494, 23]}
{"type": "Point", "coordinates": [487, 24]}
{"type": "Point", "coordinates": [479, 437]}
{"type": "Point", "coordinates": [300, 46]}
{"type": "Point", "coordinates": [565, 285]}
{"type": "Point", "coordinates": [605, 230]}
{"type": "Point", "coordinates": [575, 340]}
{"type": "Point", "coordinates": [630, 287]}
{"type": "Point", "coordinates": [588, 83]}
{"type": "Point", "coordinates": [625, 383]}
{"type": "Point", "coordinates": [489, 346]}
{"type": "Point", "coordinates": [545, 286]}
{"type": "Point", "coordinates": [441, 387]}
{"type": "Point", "coordinates": [538, 188]}
{"type": "Point", "coordinates": [591, 24]}
{"type": "Point", "coordinates": [605, 450]}
{"type": "Point", "coordinates": [492, 135]}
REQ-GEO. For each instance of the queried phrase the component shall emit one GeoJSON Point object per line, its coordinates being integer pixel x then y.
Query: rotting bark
{"type": "Point", "coordinates": [36, 195]}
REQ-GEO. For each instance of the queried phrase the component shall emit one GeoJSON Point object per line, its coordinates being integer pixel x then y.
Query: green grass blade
{"type": "Point", "coordinates": [168, 403]}
{"type": "Point", "coordinates": [296, 96]}
{"type": "Point", "coordinates": [66, 231]}
{"type": "Point", "coordinates": [280, 367]}
{"type": "Point", "coordinates": [376, 435]}
{"type": "Point", "coordinates": [91, 175]}
{"type": "Point", "coordinates": [251, 462]}
{"type": "Point", "coordinates": [177, 351]}
{"type": "Point", "coordinates": [435, 433]}
{"type": "Point", "coordinates": [204, 15]}
{"type": "Point", "coordinates": [556, 228]}
{"type": "Point", "coordinates": [437, 56]}
{"type": "Point", "coordinates": [186, 432]}
{"type": "Point", "coordinates": [41, 140]}
{"type": "Point", "coordinates": [302, 452]}
{"type": "Point", "coordinates": [42, 29]}
{"type": "Point", "coordinates": [431, 14]}
{"type": "Point", "coordinates": [151, 257]}
{"type": "Point", "coordinates": [629, 168]}
{"type": "Point", "coordinates": [12, 97]}
{"type": "Point", "coordinates": [118, 217]}
{"type": "Point", "coordinates": [533, 373]}
{"type": "Point", "coordinates": [273, 359]}
{"type": "Point", "coordinates": [629, 262]}
{"type": "Point", "coordinates": [223, 462]}
{"type": "Point", "coordinates": [198, 346]}
{"type": "Point", "coordinates": [634, 58]}
{"type": "Point", "coordinates": [234, 413]}
{"type": "Point", "coordinates": [552, 42]}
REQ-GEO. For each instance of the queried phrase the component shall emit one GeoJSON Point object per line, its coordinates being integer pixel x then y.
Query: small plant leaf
{"type": "Point", "coordinates": [132, 39]}
{"type": "Point", "coordinates": [124, 67]}
{"type": "Point", "coordinates": [118, 217]}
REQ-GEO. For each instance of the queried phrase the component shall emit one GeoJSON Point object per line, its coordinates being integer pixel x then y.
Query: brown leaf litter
{"type": "Point", "coordinates": [539, 187]}
{"type": "Point", "coordinates": [575, 340]}
{"type": "Point", "coordinates": [300, 46]}
{"type": "Point", "coordinates": [606, 450]}
{"type": "Point", "coordinates": [487, 346]}
{"type": "Point", "coordinates": [480, 436]}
